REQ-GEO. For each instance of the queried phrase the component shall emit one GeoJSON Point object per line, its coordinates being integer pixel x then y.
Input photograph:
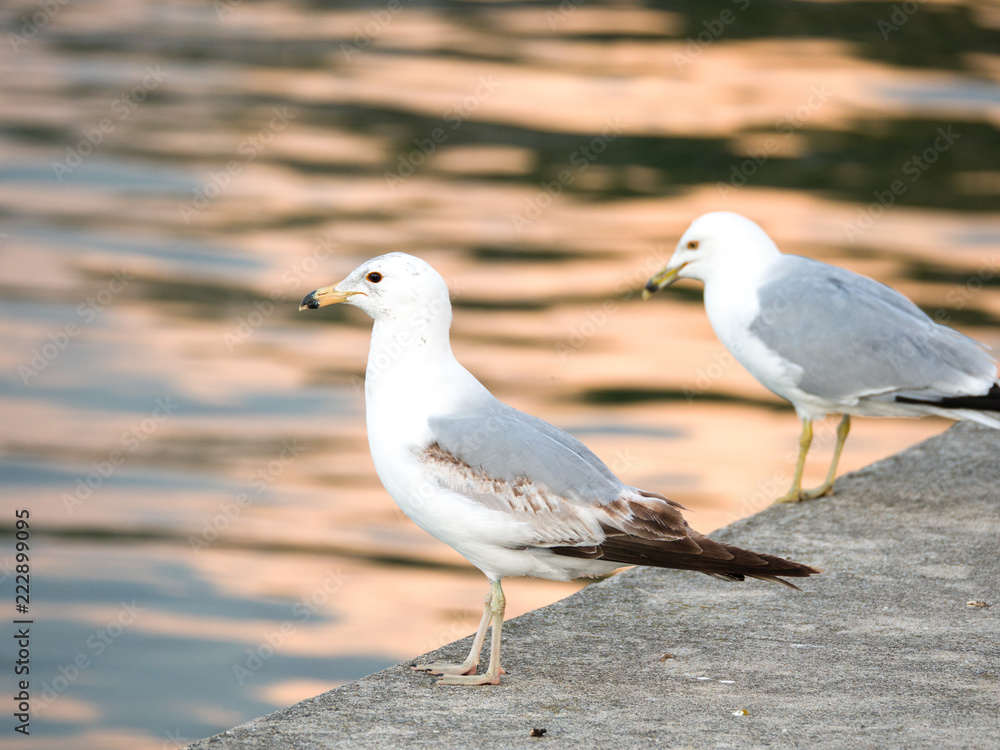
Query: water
{"type": "Point", "coordinates": [209, 540]}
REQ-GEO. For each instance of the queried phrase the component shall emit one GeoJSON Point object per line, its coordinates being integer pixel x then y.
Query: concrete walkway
{"type": "Point", "coordinates": [881, 651]}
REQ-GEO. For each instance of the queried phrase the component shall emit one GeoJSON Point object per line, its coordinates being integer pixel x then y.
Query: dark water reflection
{"type": "Point", "coordinates": [175, 176]}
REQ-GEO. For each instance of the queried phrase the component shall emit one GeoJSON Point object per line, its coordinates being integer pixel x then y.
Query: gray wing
{"type": "Point", "coordinates": [854, 337]}
{"type": "Point", "coordinates": [533, 472]}
{"type": "Point", "coordinates": [509, 445]}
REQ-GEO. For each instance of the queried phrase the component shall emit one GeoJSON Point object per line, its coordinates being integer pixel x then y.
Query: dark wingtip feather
{"type": "Point", "coordinates": [716, 559]}
{"type": "Point", "coordinates": [989, 401]}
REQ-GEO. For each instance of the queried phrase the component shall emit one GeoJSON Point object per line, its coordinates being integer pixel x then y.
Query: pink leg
{"type": "Point", "coordinates": [496, 606]}
{"type": "Point", "coordinates": [471, 663]}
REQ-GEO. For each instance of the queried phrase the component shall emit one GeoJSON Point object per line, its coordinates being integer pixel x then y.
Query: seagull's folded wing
{"type": "Point", "coordinates": [854, 337]}
{"type": "Point", "coordinates": [520, 465]}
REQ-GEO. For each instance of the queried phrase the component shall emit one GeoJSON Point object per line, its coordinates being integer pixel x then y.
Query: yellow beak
{"type": "Point", "coordinates": [662, 278]}
{"type": "Point", "coordinates": [324, 296]}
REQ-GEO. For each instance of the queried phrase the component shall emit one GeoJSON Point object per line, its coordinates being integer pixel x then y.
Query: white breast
{"type": "Point", "coordinates": [732, 305]}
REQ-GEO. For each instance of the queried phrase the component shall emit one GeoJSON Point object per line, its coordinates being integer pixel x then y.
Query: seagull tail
{"type": "Point", "coordinates": [774, 578]}
{"type": "Point", "coordinates": [746, 564]}
{"type": "Point", "coordinates": [971, 408]}
{"type": "Point", "coordinates": [697, 553]}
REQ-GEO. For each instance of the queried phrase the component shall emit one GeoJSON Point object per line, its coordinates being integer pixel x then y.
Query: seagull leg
{"type": "Point", "coordinates": [827, 487]}
{"type": "Point", "coordinates": [471, 662]}
{"type": "Point", "coordinates": [794, 494]}
{"type": "Point", "coordinates": [496, 608]}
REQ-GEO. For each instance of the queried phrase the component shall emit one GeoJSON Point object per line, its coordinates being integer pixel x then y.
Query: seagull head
{"type": "Point", "coordinates": [390, 287]}
{"type": "Point", "coordinates": [717, 242]}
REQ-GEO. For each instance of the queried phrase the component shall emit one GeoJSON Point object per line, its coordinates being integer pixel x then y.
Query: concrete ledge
{"type": "Point", "coordinates": [880, 651]}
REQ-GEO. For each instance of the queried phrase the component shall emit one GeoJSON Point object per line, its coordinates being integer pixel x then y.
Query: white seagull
{"type": "Point", "coordinates": [828, 340]}
{"type": "Point", "coordinates": [511, 493]}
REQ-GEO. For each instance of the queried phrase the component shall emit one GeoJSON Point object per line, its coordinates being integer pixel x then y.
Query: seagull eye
{"type": "Point", "coordinates": [693, 245]}
{"type": "Point", "coordinates": [374, 277]}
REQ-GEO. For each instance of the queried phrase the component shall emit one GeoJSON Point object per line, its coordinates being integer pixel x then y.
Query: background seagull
{"type": "Point", "coordinates": [828, 340]}
{"type": "Point", "coordinates": [511, 493]}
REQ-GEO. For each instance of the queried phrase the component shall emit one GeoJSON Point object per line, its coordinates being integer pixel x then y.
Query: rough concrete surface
{"type": "Point", "coordinates": [880, 651]}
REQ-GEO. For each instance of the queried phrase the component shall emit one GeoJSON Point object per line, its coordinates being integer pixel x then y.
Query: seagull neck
{"type": "Point", "coordinates": [741, 274]}
{"type": "Point", "coordinates": [400, 350]}
{"type": "Point", "coordinates": [411, 373]}
{"type": "Point", "coordinates": [731, 296]}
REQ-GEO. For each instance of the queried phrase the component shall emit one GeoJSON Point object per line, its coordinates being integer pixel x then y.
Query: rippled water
{"type": "Point", "coordinates": [209, 540]}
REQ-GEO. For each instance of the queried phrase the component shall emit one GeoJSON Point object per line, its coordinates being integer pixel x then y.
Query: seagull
{"type": "Point", "coordinates": [828, 340]}
{"type": "Point", "coordinates": [512, 494]}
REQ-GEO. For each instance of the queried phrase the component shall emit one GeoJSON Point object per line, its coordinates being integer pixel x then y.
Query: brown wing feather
{"type": "Point", "coordinates": [714, 558]}
{"type": "Point", "coordinates": [646, 515]}
{"type": "Point", "coordinates": [554, 519]}
{"type": "Point", "coordinates": [650, 530]}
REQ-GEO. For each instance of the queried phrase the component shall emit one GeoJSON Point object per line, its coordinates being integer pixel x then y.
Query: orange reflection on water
{"type": "Point", "coordinates": [203, 519]}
